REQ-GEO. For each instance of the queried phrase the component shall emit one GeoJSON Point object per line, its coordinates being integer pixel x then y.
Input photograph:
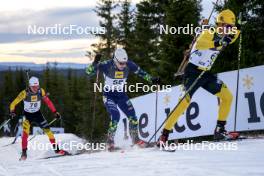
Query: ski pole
{"type": "Point", "coordinates": [27, 73]}
{"type": "Point", "coordinates": [94, 109]}
{"type": "Point", "coordinates": [156, 109]}
{"type": "Point", "coordinates": [238, 67]}
{"type": "Point", "coordinates": [16, 130]}
{"type": "Point", "coordinates": [4, 123]}
{"type": "Point", "coordinates": [186, 93]}
{"type": "Point", "coordinates": [125, 129]}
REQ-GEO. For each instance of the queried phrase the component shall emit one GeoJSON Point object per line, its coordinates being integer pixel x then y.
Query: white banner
{"type": "Point", "coordinates": [201, 116]}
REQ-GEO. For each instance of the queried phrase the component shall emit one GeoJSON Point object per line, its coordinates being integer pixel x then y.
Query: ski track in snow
{"type": "Point", "coordinates": [246, 161]}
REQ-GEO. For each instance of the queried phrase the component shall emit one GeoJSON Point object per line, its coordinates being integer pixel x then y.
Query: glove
{"type": "Point", "coordinates": [225, 41]}
{"type": "Point", "coordinates": [205, 22]}
{"type": "Point", "coordinates": [155, 80]}
{"type": "Point", "coordinates": [57, 115]}
{"type": "Point", "coordinates": [12, 115]}
{"type": "Point", "coordinates": [240, 21]}
{"type": "Point", "coordinates": [97, 58]}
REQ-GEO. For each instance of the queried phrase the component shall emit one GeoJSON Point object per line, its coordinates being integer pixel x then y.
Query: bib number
{"type": "Point", "coordinates": [118, 81]}
{"type": "Point", "coordinates": [32, 107]}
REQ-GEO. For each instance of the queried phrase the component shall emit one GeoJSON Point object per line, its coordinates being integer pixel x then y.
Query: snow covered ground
{"type": "Point", "coordinates": [247, 160]}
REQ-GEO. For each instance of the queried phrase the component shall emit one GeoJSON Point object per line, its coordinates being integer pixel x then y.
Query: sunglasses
{"type": "Point", "coordinates": [34, 87]}
{"type": "Point", "coordinates": [121, 63]}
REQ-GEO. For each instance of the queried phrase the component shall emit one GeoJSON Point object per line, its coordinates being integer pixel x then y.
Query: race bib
{"type": "Point", "coordinates": [114, 84]}
{"type": "Point", "coordinates": [204, 58]}
{"type": "Point", "coordinates": [32, 107]}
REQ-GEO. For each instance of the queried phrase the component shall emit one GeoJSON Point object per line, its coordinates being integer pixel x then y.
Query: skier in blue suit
{"type": "Point", "coordinates": [116, 71]}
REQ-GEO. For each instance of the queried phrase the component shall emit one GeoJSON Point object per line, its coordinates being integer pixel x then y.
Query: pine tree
{"type": "Point", "coordinates": [107, 43]}
{"type": "Point", "coordinates": [125, 27]}
{"type": "Point", "coordinates": [9, 90]}
{"type": "Point", "coordinates": [252, 38]}
{"type": "Point", "coordinates": [172, 46]}
{"type": "Point", "coordinates": [144, 35]}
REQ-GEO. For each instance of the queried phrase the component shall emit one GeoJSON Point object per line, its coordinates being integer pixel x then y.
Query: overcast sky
{"type": "Point", "coordinates": [17, 45]}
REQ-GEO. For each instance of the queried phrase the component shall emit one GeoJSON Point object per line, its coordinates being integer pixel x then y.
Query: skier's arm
{"type": "Point", "coordinates": [205, 41]}
{"type": "Point", "coordinates": [138, 71]}
{"type": "Point", "coordinates": [47, 101]}
{"type": "Point", "coordinates": [21, 96]}
{"type": "Point", "coordinates": [92, 68]}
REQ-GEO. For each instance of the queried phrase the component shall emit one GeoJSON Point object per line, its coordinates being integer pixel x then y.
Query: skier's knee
{"type": "Point", "coordinates": [26, 126]}
{"type": "Point", "coordinates": [131, 113]}
{"type": "Point", "coordinates": [225, 95]}
{"type": "Point", "coordinates": [49, 133]}
{"type": "Point", "coordinates": [177, 112]}
{"type": "Point", "coordinates": [115, 115]}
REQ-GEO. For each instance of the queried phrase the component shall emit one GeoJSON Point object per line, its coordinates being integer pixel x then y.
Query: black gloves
{"type": "Point", "coordinates": [57, 115]}
{"type": "Point", "coordinates": [225, 41]}
{"type": "Point", "coordinates": [155, 80]}
{"type": "Point", "coordinates": [12, 115]}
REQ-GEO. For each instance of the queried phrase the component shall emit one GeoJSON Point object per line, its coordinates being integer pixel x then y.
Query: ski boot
{"type": "Point", "coordinates": [59, 151]}
{"type": "Point", "coordinates": [110, 142]}
{"type": "Point", "coordinates": [23, 155]}
{"type": "Point", "coordinates": [110, 136]}
{"type": "Point", "coordinates": [163, 139]}
{"type": "Point", "coordinates": [136, 141]}
{"type": "Point", "coordinates": [62, 152]}
{"type": "Point", "coordinates": [133, 130]}
{"type": "Point", "coordinates": [221, 134]}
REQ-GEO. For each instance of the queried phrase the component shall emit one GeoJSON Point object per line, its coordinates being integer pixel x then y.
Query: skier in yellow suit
{"type": "Point", "coordinates": [205, 50]}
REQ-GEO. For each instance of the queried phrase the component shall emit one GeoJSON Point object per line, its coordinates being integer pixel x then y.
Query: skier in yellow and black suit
{"type": "Point", "coordinates": [32, 98]}
{"type": "Point", "coordinates": [203, 53]}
